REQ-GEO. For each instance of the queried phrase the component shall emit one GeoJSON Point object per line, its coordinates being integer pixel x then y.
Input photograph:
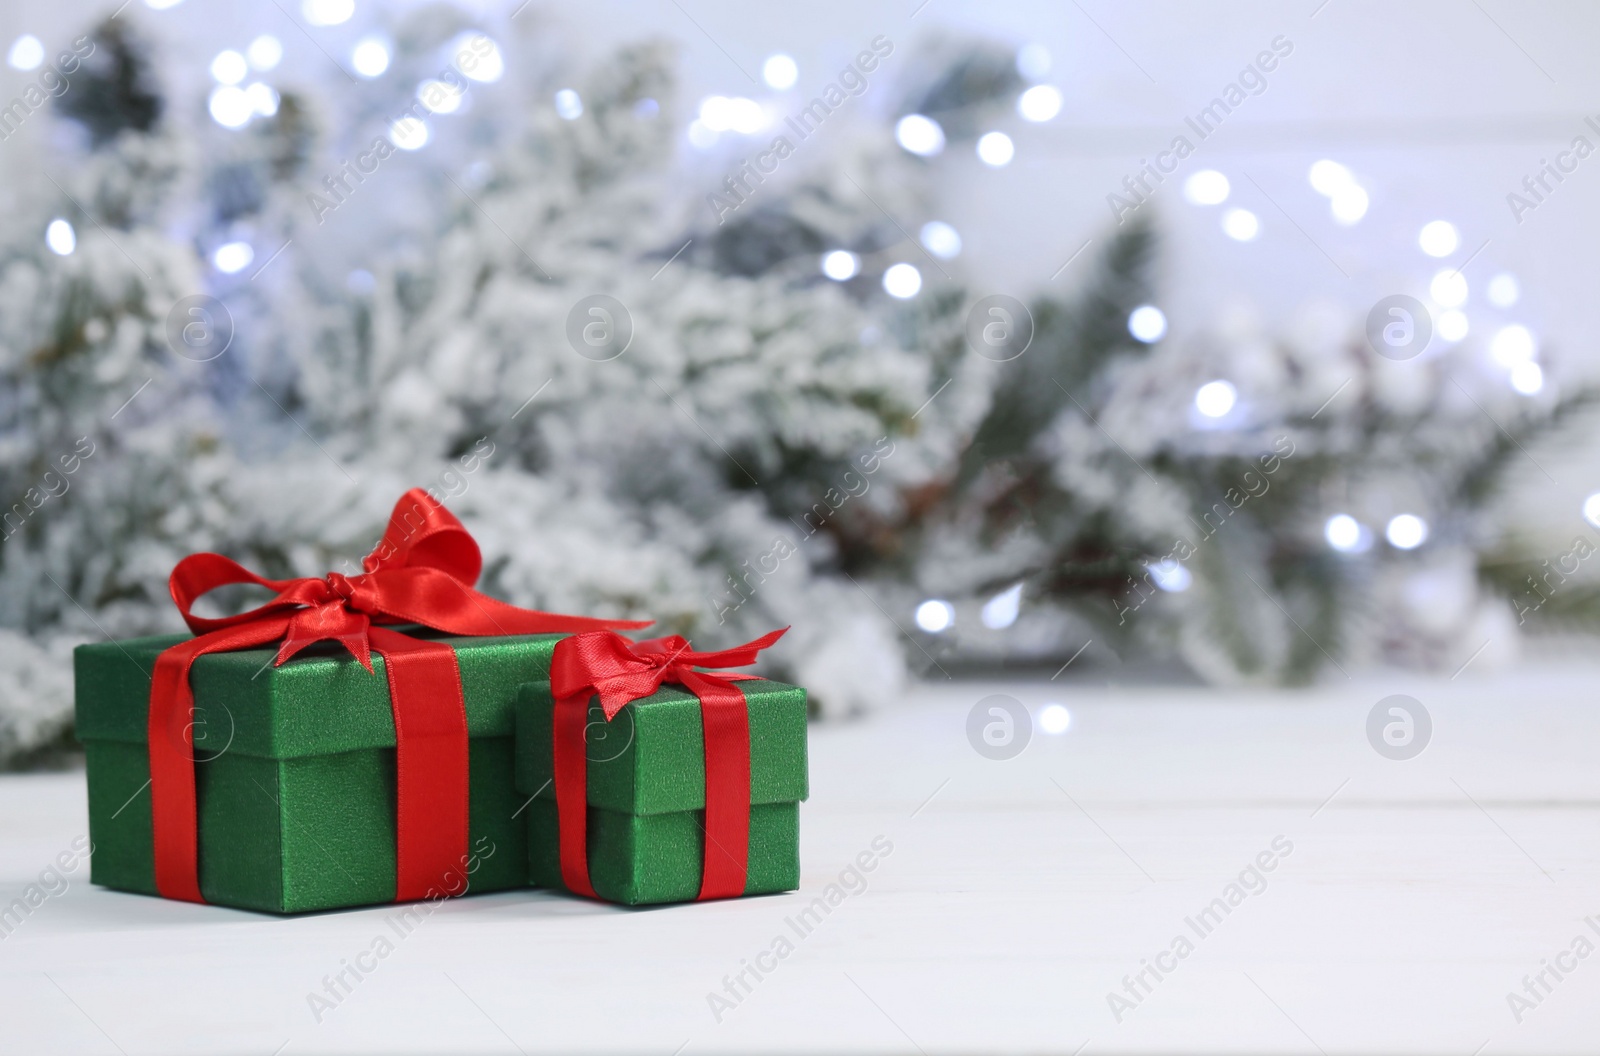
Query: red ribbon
{"type": "Point", "coordinates": [621, 671]}
{"type": "Point", "coordinates": [421, 572]}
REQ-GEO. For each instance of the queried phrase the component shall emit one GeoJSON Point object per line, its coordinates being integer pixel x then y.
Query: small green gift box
{"type": "Point", "coordinates": [646, 783]}
{"type": "Point", "coordinates": [295, 770]}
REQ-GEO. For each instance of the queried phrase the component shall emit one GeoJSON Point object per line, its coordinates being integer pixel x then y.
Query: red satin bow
{"type": "Point", "coordinates": [621, 671]}
{"type": "Point", "coordinates": [421, 572]}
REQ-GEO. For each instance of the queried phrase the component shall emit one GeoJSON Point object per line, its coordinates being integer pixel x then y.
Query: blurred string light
{"type": "Point", "coordinates": [721, 113]}
{"type": "Point", "coordinates": [370, 57]}
{"type": "Point", "coordinates": [995, 149]}
{"type": "Point", "coordinates": [1171, 576]}
{"type": "Point", "coordinates": [646, 109]}
{"type": "Point", "coordinates": [161, 5]}
{"type": "Point", "coordinates": [26, 53]}
{"type": "Point", "coordinates": [232, 257]}
{"type": "Point", "coordinates": [1449, 288]}
{"type": "Point", "coordinates": [1438, 238]}
{"type": "Point", "coordinates": [902, 281]}
{"type": "Point", "coordinates": [1342, 531]}
{"type": "Point", "coordinates": [1406, 531]}
{"type": "Point", "coordinates": [327, 12]}
{"type": "Point", "coordinates": [1591, 509]}
{"type": "Point", "coordinates": [1147, 323]}
{"type": "Point", "coordinates": [1055, 719]}
{"type": "Point", "coordinates": [747, 116]}
{"type": "Point", "coordinates": [229, 67]}
{"type": "Point", "coordinates": [1328, 178]}
{"type": "Point", "coordinates": [940, 239]}
{"type": "Point", "coordinates": [1350, 204]}
{"type": "Point", "coordinates": [60, 237]}
{"type": "Point", "coordinates": [409, 133]}
{"type": "Point", "coordinates": [919, 134]}
{"type": "Point", "coordinates": [263, 98]}
{"type": "Point", "coordinates": [569, 105]}
{"type": "Point", "coordinates": [1033, 61]}
{"type": "Point", "coordinates": [1241, 225]}
{"type": "Point", "coordinates": [1512, 345]}
{"type": "Point", "coordinates": [264, 52]}
{"type": "Point", "coordinates": [1347, 535]}
{"type": "Point", "coordinates": [1503, 290]}
{"type": "Point", "coordinates": [716, 113]}
{"type": "Point", "coordinates": [230, 106]}
{"type": "Point", "coordinates": [1527, 378]}
{"type": "Point", "coordinates": [935, 616]}
{"type": "Point", "coordinates": [840, 265]}
{"type": "Point", "coordinates": [701, 137]}
{"type": "Point", "coordinates": [1451, 325]}
{"type": "Point", "coordinates": [1206, 187]}
{"type": "Point", "coordinates": [1039, 103]}
{"type": "Point", "coordinates": [1215, 399]}
{"type": "Point", "coordinates": [487, 64]}
{"type": "Point", "coordinates": [1346, 198]}
{"type": "Point", "coordinates": [440, 97]}
{"type": "Point", "coordinates": [1001, 611]}
{"type": "Point", "coordinates": [780, 71]}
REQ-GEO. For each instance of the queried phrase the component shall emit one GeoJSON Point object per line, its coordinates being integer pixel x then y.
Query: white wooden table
{"type": "Point", "coordinates": [1017, 896]}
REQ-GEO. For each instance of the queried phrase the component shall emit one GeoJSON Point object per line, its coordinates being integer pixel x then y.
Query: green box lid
{"type": "Point", "coordinates": [322, 701]}
{"type": "Point", "coordinates": [651, 757]}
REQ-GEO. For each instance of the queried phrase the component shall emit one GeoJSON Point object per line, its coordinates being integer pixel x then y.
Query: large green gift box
{"type": "Point", "coordinates": [646, 792]}
{"type": "Point", "coordinates": [295, 769]}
